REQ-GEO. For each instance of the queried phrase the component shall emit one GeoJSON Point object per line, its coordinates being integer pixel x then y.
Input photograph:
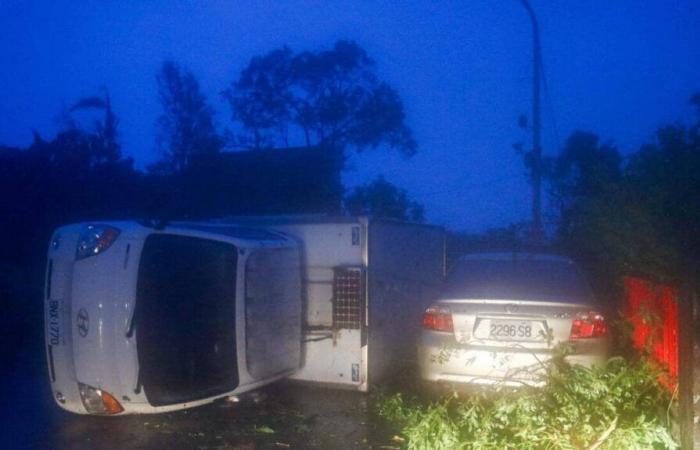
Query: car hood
{"type": "Point", "coordinates": [103, 291]}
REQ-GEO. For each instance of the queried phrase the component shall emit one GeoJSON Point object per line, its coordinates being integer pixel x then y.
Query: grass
{"type": "Point", "coordinates": [620, 405]}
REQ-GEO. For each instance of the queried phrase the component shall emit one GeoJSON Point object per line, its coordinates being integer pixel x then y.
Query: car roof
{"type": "Point", "coordinates": [522, 276]}
{"type": "Point", "coordinates": [510, 256]}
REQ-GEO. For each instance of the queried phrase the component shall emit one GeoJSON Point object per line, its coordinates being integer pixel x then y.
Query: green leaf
{"type": "Point", "coordinates": [264, 429]}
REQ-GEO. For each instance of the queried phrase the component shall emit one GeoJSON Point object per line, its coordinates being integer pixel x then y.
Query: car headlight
{"type": "Point", "coordinates": [94, 239]}
{"type": "Point", "coordinates": [97, 401]}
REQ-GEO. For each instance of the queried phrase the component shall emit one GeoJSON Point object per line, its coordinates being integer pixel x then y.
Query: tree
{"type": "Point", "coordinates": [328, 98]}
{"type": "Point", "coordinates": [641, 217]}
{"type": "Point", "coordinates": [106, 148]}
{"type": "Point", "coordinates": [79, 174]}
{"type": "Point", "coordinates": [383, 199]}
{"type": "Point", "coordinates": [665, 173]}
{"type": "Point", "coordinates": [186, 126]}
{"type": "Point", "coordinates": [604, 221]}
{"type": "Point", "coordinates": [583, 169]}
{"type": "Point", "coordinates": [262, 100]}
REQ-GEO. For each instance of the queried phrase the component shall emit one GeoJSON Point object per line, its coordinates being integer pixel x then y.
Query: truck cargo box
{"type": "Point", "coordinates": [366, 283]}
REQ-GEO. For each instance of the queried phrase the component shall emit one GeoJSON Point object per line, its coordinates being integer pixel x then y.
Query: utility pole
{"type": "Point", "coordinates": [537, 232]}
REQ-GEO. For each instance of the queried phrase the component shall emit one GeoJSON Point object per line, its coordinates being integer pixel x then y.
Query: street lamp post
{"type": "Point", "coordinates": [537, 232]}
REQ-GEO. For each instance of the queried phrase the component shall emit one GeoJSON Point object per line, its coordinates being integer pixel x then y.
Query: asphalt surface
{"type": "Point", "coordinates": [284, 415]}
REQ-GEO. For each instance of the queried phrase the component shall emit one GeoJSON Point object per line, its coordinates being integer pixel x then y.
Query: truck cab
{"type": "Point", "coordinates": [144, 318]}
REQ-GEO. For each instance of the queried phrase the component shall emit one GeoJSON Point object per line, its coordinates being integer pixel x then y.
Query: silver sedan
{"type": "Point", "coordinates": [502, 316]}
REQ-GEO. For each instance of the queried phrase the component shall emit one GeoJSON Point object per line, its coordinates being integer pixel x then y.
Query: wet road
{"type": "Point", "coordinates": [285, 415]}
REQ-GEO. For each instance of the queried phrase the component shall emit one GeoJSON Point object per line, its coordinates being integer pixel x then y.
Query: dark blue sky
{"type": "Point", "coordinates": [619, 68]}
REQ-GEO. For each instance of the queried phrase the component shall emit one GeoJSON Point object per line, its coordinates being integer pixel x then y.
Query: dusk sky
{"type": "Point", "coordinates": [618, 68]}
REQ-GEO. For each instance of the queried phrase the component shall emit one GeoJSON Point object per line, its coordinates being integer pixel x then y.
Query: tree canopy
{"type": "Point", "coordinates": [635, 216]}
{"type": "Point", "coordinates": [186, 125]}
{"type": "Point", "coordinates": [329, 98]}
{"type": "Point", "coordinates": [380, 198]}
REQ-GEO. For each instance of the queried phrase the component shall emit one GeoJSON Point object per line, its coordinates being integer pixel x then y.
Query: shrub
{"type": "Point", "coordinates": [617, 406]}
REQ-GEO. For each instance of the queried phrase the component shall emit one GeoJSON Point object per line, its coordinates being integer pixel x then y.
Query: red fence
{"type": "Point", "coordinates": [652, 309]}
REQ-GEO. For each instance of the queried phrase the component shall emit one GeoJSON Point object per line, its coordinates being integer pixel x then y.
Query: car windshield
{"type": "Point", "coordinates": [517, 279]}
{"type": "Point", "coordinates": [185, 318]}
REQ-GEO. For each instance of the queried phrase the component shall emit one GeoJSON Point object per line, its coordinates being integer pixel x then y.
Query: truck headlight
{"type": "Point", "coordinates": [97, 401]}
{"type": "Point", "coordinates": [95, 238]}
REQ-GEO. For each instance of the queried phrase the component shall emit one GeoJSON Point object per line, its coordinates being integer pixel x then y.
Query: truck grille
{"type": "Point", "coordinates": [347, 297]}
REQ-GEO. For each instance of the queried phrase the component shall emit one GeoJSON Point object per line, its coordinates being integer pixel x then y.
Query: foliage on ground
{"type": "Point", "coordinates": [620, 405]}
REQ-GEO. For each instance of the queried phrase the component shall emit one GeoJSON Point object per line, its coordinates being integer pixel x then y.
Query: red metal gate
{"type": "Point", "coordinates": [652, 309]}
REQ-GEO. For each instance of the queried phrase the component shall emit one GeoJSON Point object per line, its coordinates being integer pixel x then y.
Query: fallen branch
{"type": "Point", "coordinates": [605, 435]}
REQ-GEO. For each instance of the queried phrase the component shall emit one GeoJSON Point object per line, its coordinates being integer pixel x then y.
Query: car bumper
{"type": "Point", "coordinates": [442, 360]}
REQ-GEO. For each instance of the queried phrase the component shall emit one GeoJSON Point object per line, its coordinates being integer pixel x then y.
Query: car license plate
{"type": "Point", "coordinates": [521, 330]}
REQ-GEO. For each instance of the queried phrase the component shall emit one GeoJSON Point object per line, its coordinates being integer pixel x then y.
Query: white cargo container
{"type": "Point", "coordinates": [366, 284]}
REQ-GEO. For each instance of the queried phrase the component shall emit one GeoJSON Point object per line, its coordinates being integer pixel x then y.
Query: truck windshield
{"type": "Point", "coordinates": [185, 318]}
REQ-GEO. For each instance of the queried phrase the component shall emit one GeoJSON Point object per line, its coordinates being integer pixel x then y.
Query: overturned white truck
{"type": "Point", "coordinates": [146, 318]}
